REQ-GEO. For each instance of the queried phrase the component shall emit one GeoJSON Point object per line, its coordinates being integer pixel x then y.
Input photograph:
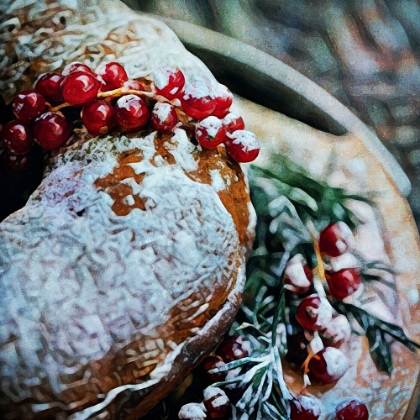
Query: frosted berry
{"type": "Point", "coordinates": [214, 362]}
{"type": "Point", "coordinates": [328, 365]}
{"type": "Point", "coordinates": [164, 117]}
{"type": "Point", "coordinates": [223, 100]}
{"type": "Point", "coordinates": [76, 66]}
{"type": "Point", "coordinates": [335, 239]}
{"type": "Point", "coordinates": [98, 117]}
{"type": "Point", "coordinates": [344, 282]}
{"type": "Point", "coordinates": [216, 402]}
{"type": "Point", "coordinates": [296, 348]}
{"type": "Point", "coordinates": [192, 411]}
{"type": "Point", "coordinates": [113, 75]}
{"type": "Point", "coordinates": [337, 332]}
{"type": "Point", "coordinates": [233, 122]}
{"type": "Point", "coordinates": [135, 85]}
{"type": "Point", "coordinates": [232, 349]}
{"type": "Point", "coordinates": [305, 407]}
{"type": "Point", "coordinates": [28, 105]}
{"type": "Point", "coordinates": [196, 100]}
{"type": "Point", "coordinates": [210, 132]}
{"type": "Point", "coordinates": [80, 88]}
{"type": "Point", "coordinates": [298, 277]}
{"type": "Point", "coordinates": [314, 313]}
{"type": "Point", "coordinates": [243, 146]}
{"type": "Point", "coordinates": [169, 82]}
{"type": "Point", "coordinates": [51, 130]}
{"type": "Point", "coordinates": [352, 410]}
{"type": "Point", "coordinates": [131, 112]}
{"type": "Point", "coordinates": [49, 86]}
{"type": "Point", "coordinates": [17, 137]}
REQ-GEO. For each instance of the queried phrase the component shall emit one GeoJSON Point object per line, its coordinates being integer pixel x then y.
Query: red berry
{"type": "Point", "coordinates": [214, 362]}
{"type": "Point", "coordinates": [352, 410]}
{"type": "Point", "coordinates": [243, 146]}
{"type": "Point", "coordinates": [75, 67]}
{"type": "Point", "coordinates": [28, 105]}
{"type": "Point", "coordinates": [232, 349]}
{"type": "Point", "coordinates": [344, 282]}
{"type": "Point", "coordinates": [51, 130]}
{"type": "Point", "coordinates": [233, 122]}
{"type": "Point", "coordinates": [131, 112]}
{"type": "Point", "coordinates": [314, 313]}
{"type": "Point", "coordinates": [49, 86]}
{"type": "Point", "coordinates": [216, 402]}
{"type": "Point", "coordinates": [296, 348]}
{"type": "Point", "coordinates": [223, 100]}
{"type": "Point", "coordinates": [80, 88]}
{"type": "Point", "coordinates": [169, 82]}
{"type": "Point", "coordinates": [335, 239]}
{"type": "Point", "coordinates": [328, 365]}
{"type": "Point", "coordinates": [164, 117]}
{"type": "Point", "coordinates": [210, 132]}
{"type": "Point", "coordinates": [305, 407]}
{"type": "Point", "coordinates": [337, 332]}
{"type": "Point", "coordinates": [17, 137]}
{"type": "Point", "coordinates": [196, 100]}
{"type": "Point", "coordinates": [298, 277]}
{"type": "Point", "coordinates": [113, 75]}
{"type": "Point", "coordinates": [98, 117]}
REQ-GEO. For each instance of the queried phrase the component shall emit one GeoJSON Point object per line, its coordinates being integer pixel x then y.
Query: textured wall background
{"type": "Point", "coordinates": [364, 52]}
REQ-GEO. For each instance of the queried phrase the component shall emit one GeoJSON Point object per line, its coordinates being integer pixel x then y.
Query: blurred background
{"type": "Point", "coordinates": [366, 53]}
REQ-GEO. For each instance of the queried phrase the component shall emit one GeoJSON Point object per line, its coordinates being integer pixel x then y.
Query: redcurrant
{"type": "Point", "coordinates": [313, 313]}
{"type": "Point", "coordinates": [98, 117]}
{"type": "Point", "coordinates": [296, 348]}
{"type": "Point", "coordinates": [214, 362]}
{"type": "Point", "coordinates": [352, 410]}
{"type": "Point", "coordinates": [131, 112]}
{"type": "Point", "coordinates": [210, 132]}
{"type": "Point", "coordinates": [233, 122]}
{"type": "Point", "coordinates": [28, 105]}
{"type": "Point", "coordinates": [216, 402]}
{"type": "Point", "coordinates": [305, 407]}
{"type": "Point", "coordinates": [232, 349]}
{"type": "Point", "coordinates": [169, 82]}
{"type": "Point", "coordinates": [164, 117]}
{"type": "Point", "coordinates": [48, 85]}
{"type": "Point", "coordinates": [17, 137]}
{"type": "Point", "coordinates": [337, 332]}
{"type": "Point", "coordinates": [328, 365]}
{"type": "Point", "coordinates": [51, 130]}
{"type": "Point", "coordinates": [243, 146]}
{"type": "Point", "coordinates": [196, 100]}
{"type": "Point", "coordinates": [335, 239]}
{"type": "Point", "coordinates": [344, 282]}
{"type": "Point", "coordinates": [223, 100]}
{"type": "Point", "coordinates": [80, 88]}
{"type": "Point", "coordinates": [298, 277]}
{"type": "Point", "coordinates": [113, 75]}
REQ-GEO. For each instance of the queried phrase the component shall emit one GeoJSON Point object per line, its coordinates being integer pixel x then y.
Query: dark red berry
{"type": "Point", "coordinates": [76, 66]}
{"type": "Point", "coordinates": [80, 88]}
{"type": "Point", "coordinates": [216, 402]}
{"type": "Point", "coordinates": [210, 132]}
{"type": "Point", "coordinates": [164, 117]}
{"type": "Point", "coordinates": [135, 85]}
{"type": "Point", "coordinates": [196, 100]}
{"type": "Point", "coordinates": [49, 86]}
{"type": "Point", "coordinates": [17, 137]}
{"type": "Point", "coordinates": [98, 117]}
{"type": "Point", "coordinates": [243, 146]}
{"type": "Point", "coordinates": [214, 362]}
{"type": "Point", "coordinates": [232, 349]}
{"type": "Point", "coordinates": [113, 75]}
{"type": "Point", "coordinates": [335, 239]}
{"type": "Point", "coordinates": [313, 313]}
{"type": "Point", "coordinates": [233, 122]}
{"type": "Point", "coordinates": [28, 105]}
{"type": "Point", "coordinates": [223, 100]}
{"type": "Point", "coordinates": [352, 410]}
{"type": "Point", "coordinates": [328, 365]}
{"type": "Point", "coordinates": [297, 275]}
{"type": "Point", "coordinates": [344, 282]}
{"type": "Point", "coordinates": [337, 331]}
{"type": "Point", "coordinates": [131, 112]}
{"type": "Point", "coordinates": [296, 348]}
{"type": "Point", "coordinates": [169, 82]}
{"type": "Point", "coordinates": [51, 130]}
{"type": "Point", "coordinates": [305, 407]}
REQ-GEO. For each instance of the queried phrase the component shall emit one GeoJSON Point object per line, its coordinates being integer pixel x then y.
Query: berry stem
{"type": "Point", "coordinates": [58, 107]}
{"type": "Point", "coordinates": [320, 266]}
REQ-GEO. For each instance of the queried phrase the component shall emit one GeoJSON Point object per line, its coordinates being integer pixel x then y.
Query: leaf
{"type": "Point", "coordinates": [380, 349]}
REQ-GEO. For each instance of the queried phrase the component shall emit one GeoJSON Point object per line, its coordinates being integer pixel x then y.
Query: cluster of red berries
{"type": "Point", "coordinates": [108, 99]}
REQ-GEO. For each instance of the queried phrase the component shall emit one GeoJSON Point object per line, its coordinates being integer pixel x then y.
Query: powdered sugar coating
{"type": "Point", "coordinates": [246, 139]}
{"type": "Point", "coordinates": [192, 411]}
{"type": "Point", "coordinates": [212, 125]}
{"type": "Point", "coordinates": [337, 363]}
